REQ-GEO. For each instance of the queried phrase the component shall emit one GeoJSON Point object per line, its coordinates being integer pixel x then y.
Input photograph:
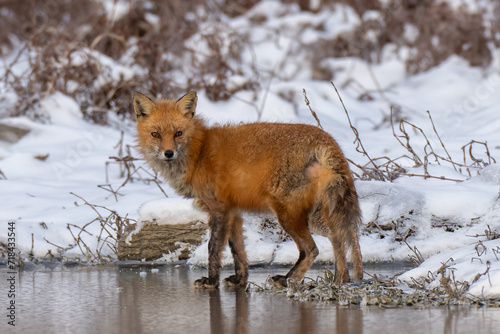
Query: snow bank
{"type": "Point", "coordinates": [477, 264]}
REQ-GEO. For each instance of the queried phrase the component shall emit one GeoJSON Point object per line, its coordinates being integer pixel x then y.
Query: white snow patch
{"type": "Point", "coordinates": [171, 211]}
{"type": "Point", "coordinates": [477, 263]}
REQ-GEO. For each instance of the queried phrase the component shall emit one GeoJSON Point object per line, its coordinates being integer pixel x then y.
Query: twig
{"type": "Point", "coordinates": [442, 144]}
{"type": "Point", "coordinates": [376, 82]}
{"type": "Point", "coordinates": [266, 91]}
{"type": "Point", "coordinates": [74, 238]}
{"type": "Point", "coordinates": [109, 187]}
{"type": "Point", "coordinates": [310, 109]}
{"type": "Point", "coordinates": [358, 142]}
{"type": "Point", "coordinates": [31, 254]}
{"type": "Point", "coordinates": [407, 146]}
{"type": "Point", "coordinates": [416, 259]}
{"type": "Point", "coordinates": [476, 161]}
{"type": "Point", "coordinates": [434, 177]}
{"type": "Point", "coordinates": [53, 244]}
{"type": "Point", "coordinates": [87, 203]}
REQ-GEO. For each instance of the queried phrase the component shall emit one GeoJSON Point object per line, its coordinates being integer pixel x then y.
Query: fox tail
{"type": "Point", "coordinates": [337, 207]}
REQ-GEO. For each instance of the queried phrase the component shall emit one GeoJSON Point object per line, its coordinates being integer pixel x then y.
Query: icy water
{"type": "Point", "coordinates": [117, 299]}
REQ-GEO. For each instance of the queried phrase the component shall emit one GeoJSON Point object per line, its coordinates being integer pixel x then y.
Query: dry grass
{"type": "Point", "coordinates": [111, 226]}
{"type": "Point", "coordinates": [442, 31]}
{"type": "Point", "coordinates": [437, 288]}
{"type": "Point", "coordinates": [489, 234]}
{"type": "Point", "coordinates": [125, 160]}
{"type": "Point", "coordinates": [388, 169]}
{"type": "Point", "coordinates": [64, 45]}
{"type": "Point", "coordinates": [380, 291]}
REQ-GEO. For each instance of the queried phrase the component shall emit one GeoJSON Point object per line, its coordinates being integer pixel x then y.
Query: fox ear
{"type": "Point", "coordinates": [187, 104]}
{"type": "Point", "coordinates": [143, 105]}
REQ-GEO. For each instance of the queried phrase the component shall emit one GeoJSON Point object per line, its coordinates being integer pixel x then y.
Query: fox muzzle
{"type": "Point", "coordinates": [169, 154]}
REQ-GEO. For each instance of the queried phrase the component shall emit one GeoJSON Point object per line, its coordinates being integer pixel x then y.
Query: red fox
{"type": "Point", "coordinates": [296, 171]}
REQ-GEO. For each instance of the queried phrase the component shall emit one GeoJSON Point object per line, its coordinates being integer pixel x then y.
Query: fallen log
{"type": "Point", "coordinates": [154, 240]}
{"type": "Point", "coordinates": [171, 226]}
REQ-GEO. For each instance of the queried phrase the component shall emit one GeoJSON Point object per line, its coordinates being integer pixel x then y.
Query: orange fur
{"type": "Point", "coordinates": [296, 171]}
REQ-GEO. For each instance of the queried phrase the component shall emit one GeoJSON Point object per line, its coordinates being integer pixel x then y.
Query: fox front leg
{"type": "Point", "coordinates": [219, 235]}
{"type": "Point", "coordinates": [236, 243]}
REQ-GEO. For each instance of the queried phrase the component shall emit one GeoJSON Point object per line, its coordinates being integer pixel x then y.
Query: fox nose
{"type": "Point", "coordinates": [169, 154]}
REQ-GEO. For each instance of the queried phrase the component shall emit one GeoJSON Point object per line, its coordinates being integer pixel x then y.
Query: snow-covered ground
{"type": "Point", "coordinates": [64, 160]}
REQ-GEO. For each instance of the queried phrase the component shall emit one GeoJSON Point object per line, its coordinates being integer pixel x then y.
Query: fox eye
{"type": "Point", "coordinates": [155, 134]}
{"type": "Point", "coordinates": [178, 133]}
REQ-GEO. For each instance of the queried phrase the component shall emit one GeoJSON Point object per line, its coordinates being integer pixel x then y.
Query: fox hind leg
{"type": "Point", "coordinates": [339, 243]}
{"type": "Point", "coordinates": [339, 251]}
{"type": "Point", "coordinates": [338, 237]}
{"type": "Point", "coordinates": [236, 243]}
{"type": "Point", "coordinates": [356, 256]}
{"type": "Point", "coordinates": [295, 225]}
{"type": "Point", "coordinates": [343, 236]}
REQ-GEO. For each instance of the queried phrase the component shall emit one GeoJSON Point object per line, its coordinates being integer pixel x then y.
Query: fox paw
{"type": "Point", "coordinates": [206, 283]}
{"type": "Point", "coordinates": [235, 281]}
{"type": "Point", "coordinates": [279, 281]}
{"type": "Point", "coordinates": [340, 279]}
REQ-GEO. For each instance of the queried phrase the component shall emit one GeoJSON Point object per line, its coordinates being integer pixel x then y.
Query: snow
{"type": "Point", "coordinates": [463, 265]}
{"type": "Point", "coordinates": [171, 211]}
{"type": "Point", "coordinates": [444, 219]}
{"type": "Point", "coordinates": [116, 9]}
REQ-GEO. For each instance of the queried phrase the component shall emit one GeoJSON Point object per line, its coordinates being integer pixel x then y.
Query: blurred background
{"type": "Point", "coordinates": [100, 51]}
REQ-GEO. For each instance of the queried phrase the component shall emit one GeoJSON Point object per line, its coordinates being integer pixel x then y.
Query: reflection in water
{"type": "Point", "coordinates": [242, 307]}
{"type": "Point", "coordinates": [121, 300]}
{"type": "Point", "coordinates": [216, 315]}
{"type": "Point", "coordinates": [349, 320]}
{"type": "Point", "coordinates": [238, 322]}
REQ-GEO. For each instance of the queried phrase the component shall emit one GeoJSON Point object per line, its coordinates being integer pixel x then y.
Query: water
{"type": "Point", "coordinates": [116, 299]}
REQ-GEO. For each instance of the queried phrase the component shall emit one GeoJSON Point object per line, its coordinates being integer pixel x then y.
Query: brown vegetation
{"type": "Point", "coordinates": [64, 44]}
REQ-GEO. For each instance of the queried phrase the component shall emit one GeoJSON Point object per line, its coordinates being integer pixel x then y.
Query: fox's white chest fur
{"type": "Point", "coordinates": [173, 171]}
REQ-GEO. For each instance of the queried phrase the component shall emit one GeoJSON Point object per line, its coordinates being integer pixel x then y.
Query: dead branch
{"type": "Point", "coordinates": [310, 109]}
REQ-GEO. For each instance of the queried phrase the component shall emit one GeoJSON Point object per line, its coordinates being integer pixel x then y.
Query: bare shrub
{"type": "Point", "coordinates": [234, 8]}
{"type": "Point", "coordinates": [383, 291]}
{"type": "Point", "coordinates": [126, 160]}
{"type": "Point", "coordinates": [112, 228]}
{"type": "Point", "coordinates": [388, 169]}
{"type": "Point", "coordinates": [442, 31]}
{"type": "Point", "coordinates": [64, 43]}
{"type": "Point", "coordinates": [29, 20]}
{"type": "Point", "coordinates": [360, 6]}
{"type": "Point", "coordinates": [67, 45]}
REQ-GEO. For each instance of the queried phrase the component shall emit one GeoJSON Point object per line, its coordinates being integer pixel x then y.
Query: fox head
{"type": "Point", "coordinates": [164, 127]}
